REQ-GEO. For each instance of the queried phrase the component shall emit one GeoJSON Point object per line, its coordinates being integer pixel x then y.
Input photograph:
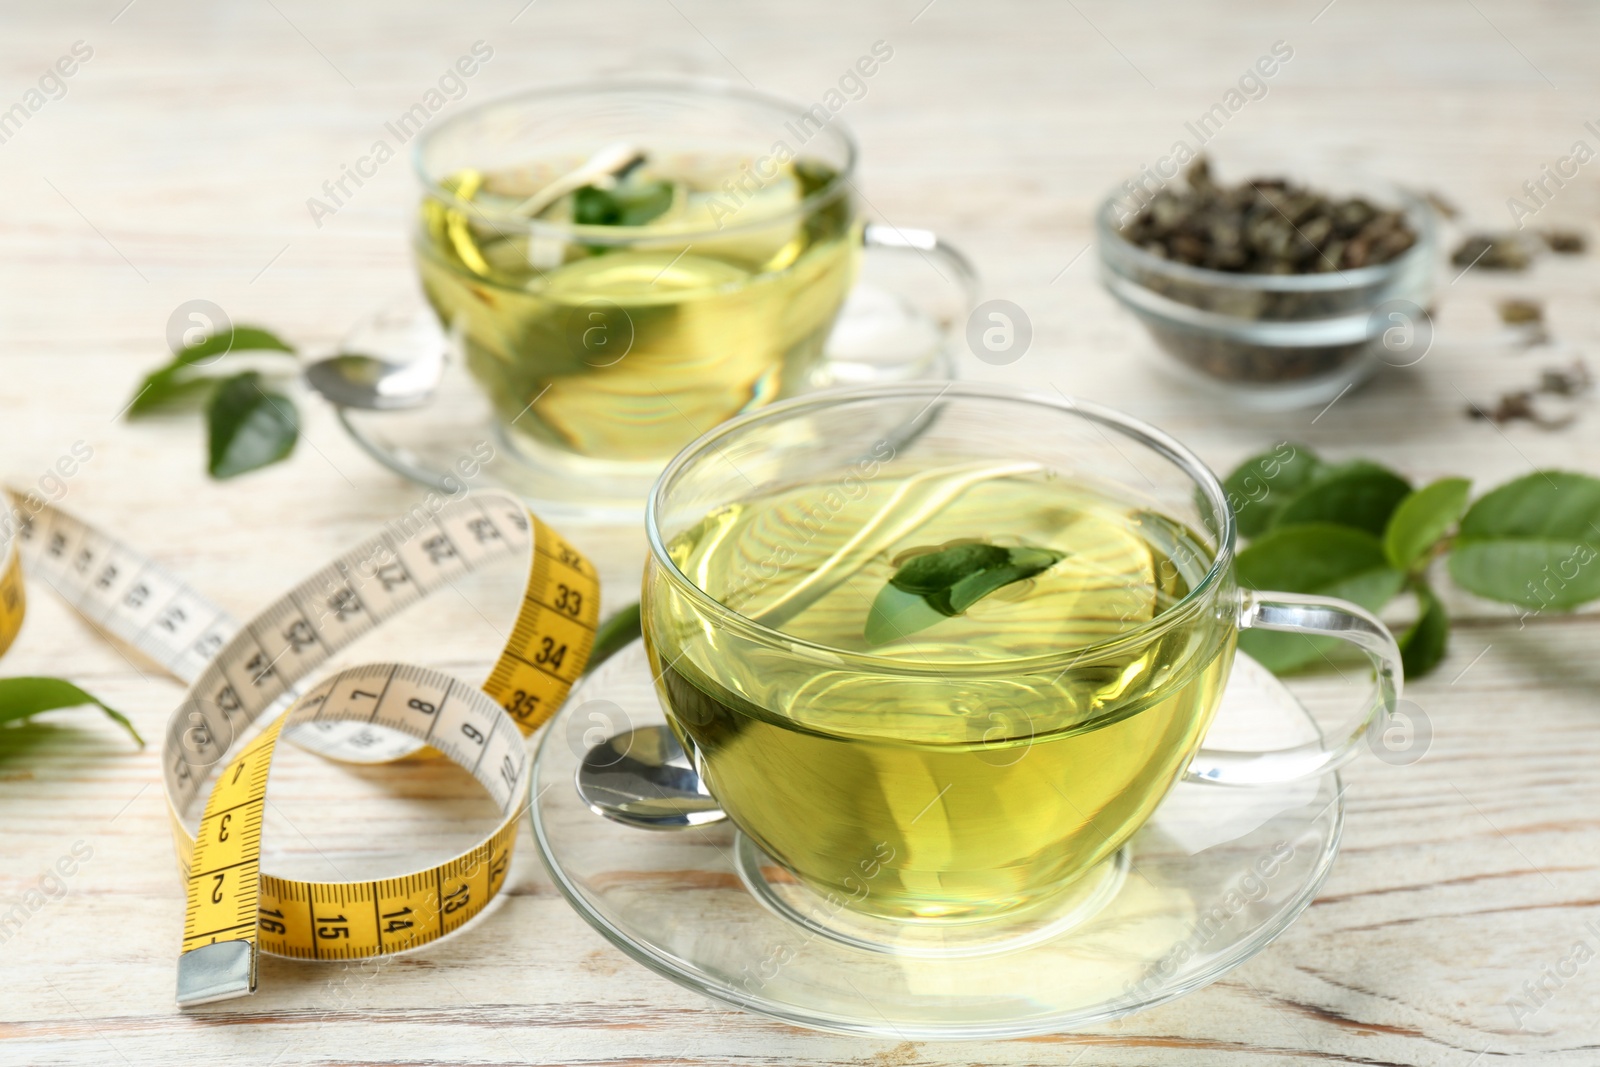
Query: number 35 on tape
{"type": "Point", "coordinates": [242, 675]}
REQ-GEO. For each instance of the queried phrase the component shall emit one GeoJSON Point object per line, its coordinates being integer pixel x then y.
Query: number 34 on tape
{"type": "Point", "coordinates": [242, 675]}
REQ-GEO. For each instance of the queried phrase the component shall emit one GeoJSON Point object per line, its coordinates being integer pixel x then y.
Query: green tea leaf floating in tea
{"type": "Point", "coordinates": [945, 582]}
{"type": "Point", "coordinates": [249, 427]}
{"type": "Point", "coordinates": [23, 698]}
{"type": "Point", "coordinates": [627, 203]}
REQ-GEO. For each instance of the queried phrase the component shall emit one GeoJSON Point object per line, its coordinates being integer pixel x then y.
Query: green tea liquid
{"type": "Point", "coordinates": [991, 776]}
{"type": "Point", "coordinates": [626, 352]}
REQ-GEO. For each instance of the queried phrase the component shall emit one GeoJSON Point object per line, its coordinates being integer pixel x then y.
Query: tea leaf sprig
{"type": "Point", "coordinates": [1359, 531]}
{"type": "Point", "coordinates": [23, 698]}
{"type": "Point", "coordinates": [249, 423]}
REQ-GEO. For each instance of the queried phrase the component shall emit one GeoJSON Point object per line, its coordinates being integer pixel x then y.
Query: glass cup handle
{"type": "Point", "coordinates": [1314, 616]}
{"type": "Point", "coordinates": [912, 298]}
{"type": "Point", "coordinates": [941, 253]}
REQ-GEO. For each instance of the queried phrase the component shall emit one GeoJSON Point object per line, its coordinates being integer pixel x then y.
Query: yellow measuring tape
{"type": "Point", "coordinates": [13, 600]}
{"type": "Point", "coordinates": [239, 674]}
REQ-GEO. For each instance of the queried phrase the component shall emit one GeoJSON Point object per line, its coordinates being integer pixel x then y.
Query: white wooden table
{"type": "Point", "coordinates": [178, 165]}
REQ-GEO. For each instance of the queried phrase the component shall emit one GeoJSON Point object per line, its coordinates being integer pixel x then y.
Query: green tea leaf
{"type": "Point", "coordinates": [1532, 542]}
{"type": "Point", "coordinates": [22, 698]}
{"type": "Point", "coordinates": [613, 635]}
{"type": "Point", "coordinates": [625, 204]}
{"type": "Point", "coordinates": [1422, 518]}
{"type": "Point", "coordinates": [898, 613]}
{"type": "Point", "coordinates": [1323, 559]}
{"type": "Point", "coordinates": [1357, 494]}
{"type": "Point", "coordinates": [937, 585]}
{"type": "Point", "coordinates": [1023, 563]}
{"type": "Point", "coordinates": [934, 572]}
{"type": "Point", "coordinates": [184, 381]}
{"type": "Point", "coordinates": [249, 427]}
{"type": "Point", "coordinates": [238, 339]}
{"type": "Point", "coordinates": [1423, 644]}
{"type": "Point", "coordinates": [172, 389]}
{"type": "Point", "coordinates": [1261, 485]}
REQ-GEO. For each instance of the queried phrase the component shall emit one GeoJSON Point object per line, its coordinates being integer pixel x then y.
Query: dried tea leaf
{"type": "Point", "coordinates": [1441, 204]}
{"type": "Point", "coordinates": [1570, 381]}
{"type": "Point", "coordinates": [1565, 242]}
{"type": "Point", "coordinates": [1492, 252]}
{"type": "Point", "coordinates": [1516, 311]}
{"type": "Point", "coordinates": [1567, 382]}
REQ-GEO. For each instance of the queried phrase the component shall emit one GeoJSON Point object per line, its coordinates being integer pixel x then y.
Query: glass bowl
{"type": "Point", "coordinates": [1276, 341]}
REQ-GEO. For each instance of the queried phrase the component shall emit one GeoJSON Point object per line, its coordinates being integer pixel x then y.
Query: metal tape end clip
{"type": "Point", "coordinates": [221, 970]}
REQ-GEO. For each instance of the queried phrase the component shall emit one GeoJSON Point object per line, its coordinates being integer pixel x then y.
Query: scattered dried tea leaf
{"type": "Point", "coordinates": [1492, 252]}
{"type": "Point", "coordinates": [1568, 382]}
{"type": "Point", "coordinates": [1516, 311]}
{"type": "Point", "coordinates": [1439, 203]}
{"type": "Point", "coordinates": [1565, 242]}
{"type": "Point", "coordinates": [1526, 317]}
{"type": "Point", "coordinates": [1511, 406]}
{"type": "Point", "coordinates": [1572, 381]}
{"type": "Point", "coordinates": [1266, 226]}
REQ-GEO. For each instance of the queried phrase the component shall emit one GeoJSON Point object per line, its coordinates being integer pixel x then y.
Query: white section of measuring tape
{"type": "Point", "coordinates": [140, 603]}
{"type": "Point", "coordinates": [124, 593]}
{"type": "Point", "coordinates": [240, 674]}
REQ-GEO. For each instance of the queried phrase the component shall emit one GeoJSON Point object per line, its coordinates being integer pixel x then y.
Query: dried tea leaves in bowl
{"type": "Point", "coordinates": [1266, 226]}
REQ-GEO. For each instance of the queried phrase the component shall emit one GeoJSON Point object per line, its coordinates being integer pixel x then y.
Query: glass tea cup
{"type": "Point", "coordinates": [959, 766]}
{"type": "Point", "coordinates": [615, 325]}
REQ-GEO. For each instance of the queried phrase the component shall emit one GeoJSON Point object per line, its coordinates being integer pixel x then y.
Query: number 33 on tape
{"type": "Point", "coordinates": [242, 674]}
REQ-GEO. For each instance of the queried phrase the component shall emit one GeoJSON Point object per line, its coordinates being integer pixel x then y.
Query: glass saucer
{"type": "Point", "coordinates": [1214, 876]}
{"type": "Point", "coordinates": [894, 326]}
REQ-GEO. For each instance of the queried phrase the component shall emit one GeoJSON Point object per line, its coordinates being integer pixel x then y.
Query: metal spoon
{"type": "Point", "coordinates": [643, 778]}
{"type": "Point", "coordinates": [405, 374]}
{"type": "Point", "coordinates": [353, 380]}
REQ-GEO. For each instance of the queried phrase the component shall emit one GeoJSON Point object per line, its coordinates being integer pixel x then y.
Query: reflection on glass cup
{"type": "Point", "coordinates": [698, 281]}
{"type": "Point", "coordinates": [959, 765]}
